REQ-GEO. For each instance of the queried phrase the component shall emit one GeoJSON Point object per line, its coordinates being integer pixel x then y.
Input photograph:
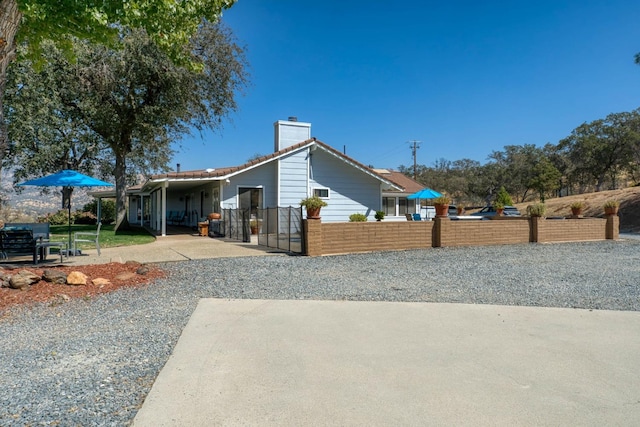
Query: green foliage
{"type": "Point", "coordinates": [84, 218]}
{"type": "Point", "coordinates": [442, 200]}
{"type": "Point", "coordinates": [127, 108]}
{"type": "Point", "coordinates": [357, 217]}
{"type": "Point", "coordinates": [503, 198]}
{"type": "Point", "coordinates": [611, 204]}
{"type": "Point", "coordinates": [379, 215]}
{"type": "Point", "coordinates": [169, 23]}
{"type": "Point", "coordinates": [59, 218]}
{"type": "Point", "coordinates": [537, 209]}
{"type": "Point", "coordinates": [313, 202]}
{"type": "Point", "coordinates": [108, 210]}
{"type": "Point", "coordinates": [577, 205]}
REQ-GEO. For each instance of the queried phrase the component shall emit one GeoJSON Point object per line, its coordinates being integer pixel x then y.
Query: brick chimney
{"type": "Point", "coordinates": [290, 132]}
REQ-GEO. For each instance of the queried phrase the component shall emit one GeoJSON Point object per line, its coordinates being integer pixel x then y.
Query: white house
{"type": "Point", "coordinates": [300, 166]}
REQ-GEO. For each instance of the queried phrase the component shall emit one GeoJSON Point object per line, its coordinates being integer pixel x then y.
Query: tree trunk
{"type": "Point", "coordinates": [120, 172]}
{"type": "Point", "coordinates": [10, 18]}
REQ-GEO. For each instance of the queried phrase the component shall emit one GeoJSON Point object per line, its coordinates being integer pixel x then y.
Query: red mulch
{"type": "Point", "coordinates": [45, 291]}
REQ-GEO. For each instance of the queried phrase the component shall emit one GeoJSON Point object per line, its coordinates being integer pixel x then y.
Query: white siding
{"type": "Point", "coordinates": [351, 190]}
{"type": "Point", "coordinates": [289, 133]}
{"type": "Point", "coordinates": [263, 176]}
{"type": "Point", "coordinates": [293, 179]}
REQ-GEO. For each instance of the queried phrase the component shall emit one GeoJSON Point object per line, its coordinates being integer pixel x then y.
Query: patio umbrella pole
{"type": "Point", "coordinates": [69, 228]}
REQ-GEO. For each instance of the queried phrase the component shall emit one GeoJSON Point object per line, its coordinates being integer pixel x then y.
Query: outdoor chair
{"type": "Point", "coordinates": [82, 236]}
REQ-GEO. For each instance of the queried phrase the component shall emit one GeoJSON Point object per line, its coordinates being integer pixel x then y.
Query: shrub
{"type": "Point", "coordinates": [107, 210]}
{"type": "Point", "coordinates": [611, 204]}
{"type": "Point", "coordinates": [536, 210]}
{"type": "Point", "coordinates": [577, 205]}
{"type": "Point", "coordinates": [379, 215]}
{"type": "Point", "coordinates": [84, 218]}
{"type": "Point", "coordinates": [357, 217]}
{"type": "Point", "coordinates": [59, 218]}
{"type": "Point", "coordinates": [503, 197]}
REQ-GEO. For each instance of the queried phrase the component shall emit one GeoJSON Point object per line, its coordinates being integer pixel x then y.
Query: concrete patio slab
{"type": "Point", "coordinates": [257, 362]}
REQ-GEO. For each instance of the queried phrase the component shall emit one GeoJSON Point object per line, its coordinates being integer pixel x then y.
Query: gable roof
{"type": "Point", "coordinates": [407, 184]}
{"type": "Point", "coordinates": [218, 174]}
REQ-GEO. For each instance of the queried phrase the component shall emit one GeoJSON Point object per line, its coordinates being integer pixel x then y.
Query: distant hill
{"type": "Point", "coordinates": [629, 212]}
{"type": "Point", "coordinates": [32, 203]}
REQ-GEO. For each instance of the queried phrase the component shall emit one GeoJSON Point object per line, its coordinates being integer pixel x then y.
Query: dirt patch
{"type": "Point", "coordinates": [117, 275]}
{"type": "Point", "coordinates": [629, 212]}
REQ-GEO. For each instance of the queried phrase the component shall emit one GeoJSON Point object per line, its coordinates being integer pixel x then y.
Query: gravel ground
{"type": "Point", "coordinates": [92, 362]}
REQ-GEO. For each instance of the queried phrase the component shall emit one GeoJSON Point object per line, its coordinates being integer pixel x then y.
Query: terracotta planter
{"type": "Point", "coordinates": [442, 210]}
{"type": "Point", "coordinates": [611, 211]}
{"type": "Point", "coordinates": [254, 229]}
{"type": "Point", "coordinates": [460, 211]}
{"type": "Point", "coordinates": [214, 215]}
{"type": "Point", "coordinates": [499, 211]}
{"type": "Point", "coordinates": [313, 213]}
{"type": "Point", "coordinates": [576, 211]}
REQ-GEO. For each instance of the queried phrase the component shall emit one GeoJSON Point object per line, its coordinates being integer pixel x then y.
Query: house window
{"type": "Point", "coordinates": [323, 193]}
{"type": "Point", "coordinates": [389, 206]}
{"type": "Point", "coordinates": [406, 206]}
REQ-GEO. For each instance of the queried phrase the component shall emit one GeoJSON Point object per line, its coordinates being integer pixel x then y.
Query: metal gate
{"type": "Point", "coordinates": [235, 224]}
{"type": "Point", "coordinates": [281, 228]}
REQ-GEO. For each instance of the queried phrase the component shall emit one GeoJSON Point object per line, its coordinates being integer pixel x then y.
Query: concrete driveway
{"type": "Point", "coordinates": [299, 363]}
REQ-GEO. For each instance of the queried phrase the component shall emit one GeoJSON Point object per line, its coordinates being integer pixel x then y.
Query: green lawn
{"type": "Point", "coordinates": [136, 236]}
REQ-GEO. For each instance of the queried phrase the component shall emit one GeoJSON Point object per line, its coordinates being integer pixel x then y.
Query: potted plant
{"type": "Point", "coordinates": [611, 207]}
{"type": "Point", "coordinates": [253, 224]}
{"type": "Point", "coordinates": [442, 205]}
{"type": "Point", "coordinates": [460, 209]}
{"type": "Point", "coordinates": [499, 206]}
{"type": "Point", "coordinates": [536, 210]}
{"type": "Point", "coordinates": [379, 215]}
{"type": "Point", "coordinates": [313, 205]}
{"type": "Point", "coordinates": [576, 208]}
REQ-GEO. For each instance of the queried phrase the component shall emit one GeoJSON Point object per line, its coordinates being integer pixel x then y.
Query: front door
{"type": "Point", "coordinates": [250, 198]}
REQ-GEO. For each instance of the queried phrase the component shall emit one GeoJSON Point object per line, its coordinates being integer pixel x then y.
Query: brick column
{"type": "Point", "coordinates": [613, 227]}
{"type": "Point", "coordinates": [313, 237]}
{"type": "Point", "coordinates": [534, 229]}
{"type": "Point", "coordinates": [440, 229]}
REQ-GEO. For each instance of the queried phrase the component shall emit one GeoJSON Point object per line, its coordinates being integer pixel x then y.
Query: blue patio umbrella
{"type": "Point", "coordinates": [67, 179]}
{"type": "Point", "coordinates": [425, 193]}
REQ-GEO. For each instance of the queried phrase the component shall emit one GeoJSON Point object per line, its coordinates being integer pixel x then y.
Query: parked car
{"type": "Point", "coordinates": [491, 211]}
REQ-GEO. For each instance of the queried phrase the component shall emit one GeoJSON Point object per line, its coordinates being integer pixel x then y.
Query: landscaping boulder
{"type": "Point", "coordinates": [23, 279]}
{"type": "Point", "coordinates": [76, 278]}
{"type": "Point", "coordinates": [55, 277]}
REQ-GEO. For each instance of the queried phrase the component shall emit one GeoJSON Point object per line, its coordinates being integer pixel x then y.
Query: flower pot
{"type": "Point", "coordinates": [214, 215]}
{"type": "Point", "coordinates": [442, 210]}
{"type": "Point", "coordinates": [313, 213]}
{"type": "Point", "coordinates": [499, 211]}
{"type": "Point", "coordinates": [254, 229]}
{"type": "Point", "coordinates": [576, 211]}
{"type": "Point", "coordinates": [611, 211]}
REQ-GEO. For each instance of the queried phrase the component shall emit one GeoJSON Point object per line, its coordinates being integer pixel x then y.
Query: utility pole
{"type": "Point", "coordinates": [414, 152]}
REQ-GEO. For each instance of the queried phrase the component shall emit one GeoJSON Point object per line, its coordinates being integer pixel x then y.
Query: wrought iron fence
{"type": "Point", "coordinates": [281, 228]}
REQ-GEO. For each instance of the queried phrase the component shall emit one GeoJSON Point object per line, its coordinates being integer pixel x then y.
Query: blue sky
{"type": "Point", "coordinates": [463, 77]}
